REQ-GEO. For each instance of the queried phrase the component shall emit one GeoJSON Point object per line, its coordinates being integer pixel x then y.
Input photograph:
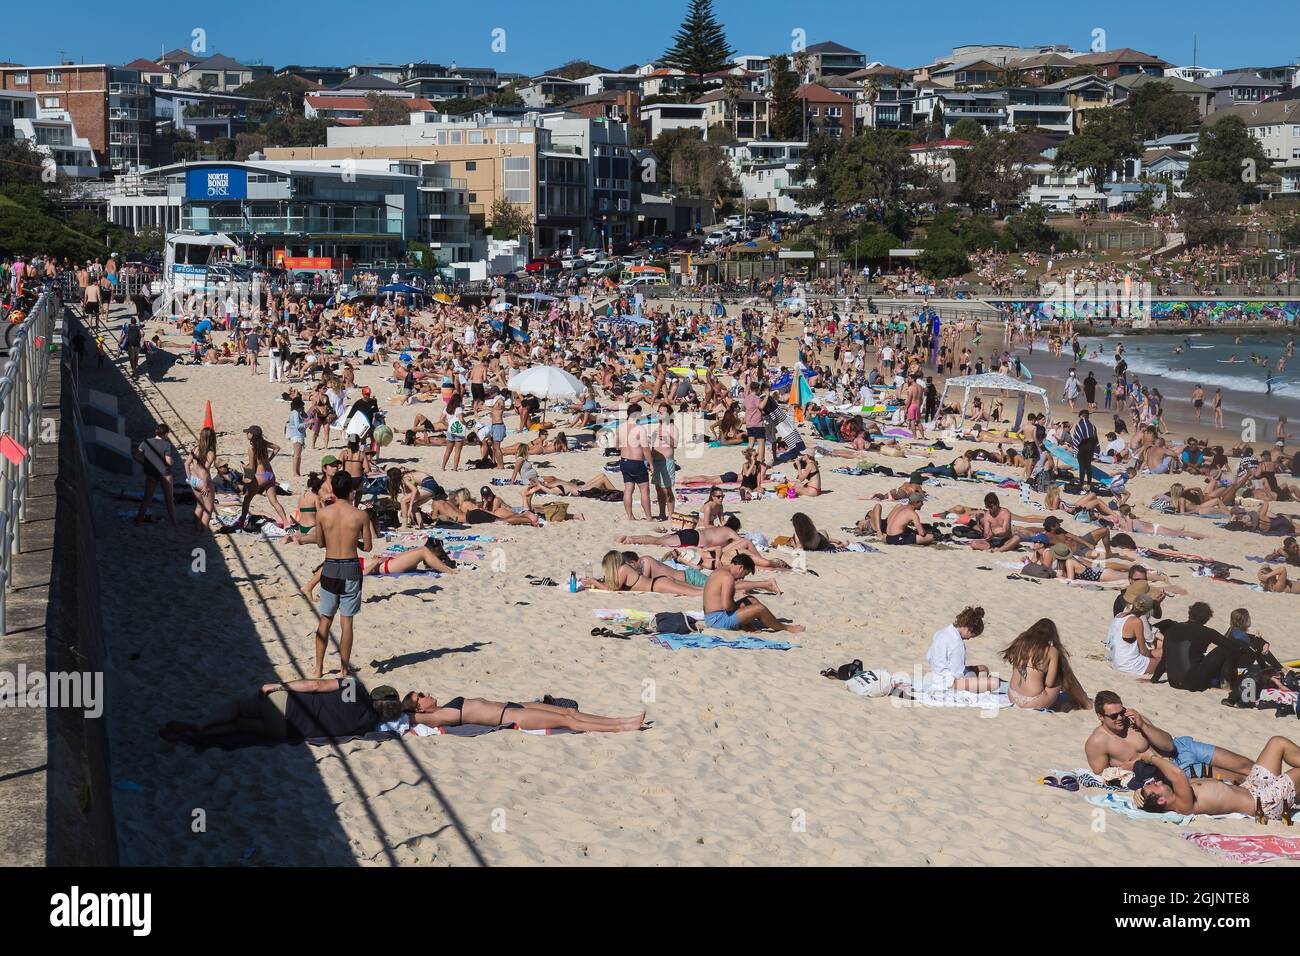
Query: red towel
{"type": "Point", "coordinates": [1247, 849]}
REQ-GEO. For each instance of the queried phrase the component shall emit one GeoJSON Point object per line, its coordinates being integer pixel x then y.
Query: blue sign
{"type": "Point", "coordinates": [216, 183]}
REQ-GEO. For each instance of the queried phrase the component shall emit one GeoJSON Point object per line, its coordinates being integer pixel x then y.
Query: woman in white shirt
{"type": "Point", "coordinates": [1129, 646]}
{"type": "Point", "coordinates": [947, 656]}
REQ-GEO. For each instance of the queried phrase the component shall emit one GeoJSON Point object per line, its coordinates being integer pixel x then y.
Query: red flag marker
{"type": "Point", "coordinates": [12, 450]}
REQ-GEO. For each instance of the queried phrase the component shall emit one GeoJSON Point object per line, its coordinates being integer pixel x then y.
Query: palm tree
{"type": "Point", "coordinates": [871, 93]}
{"type": "Point", "coordinates": [731, 90]}
{"type": "Point", "coordinates": [802, 62]}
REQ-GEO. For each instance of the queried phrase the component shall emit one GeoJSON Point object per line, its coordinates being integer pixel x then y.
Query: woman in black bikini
{"type": "Point", "coordinates": [624, 575]}
{"type": "Point", "coordinates": [426, 710]}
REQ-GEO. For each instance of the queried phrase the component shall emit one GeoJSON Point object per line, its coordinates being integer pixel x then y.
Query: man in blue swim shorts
{"type": "Point", "coordinates": [723, 613]}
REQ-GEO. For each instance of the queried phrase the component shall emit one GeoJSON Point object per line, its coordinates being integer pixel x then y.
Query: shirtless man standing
{"type": "Point", "coordinates": [477, 376]}
{"type": "Point", "coordinates": [721, 612]}
{"type": "Point", "coordinates": [634, 461]}
{"type": "Point", "coordinates": [997, 528]}
{"type": "Point", "coordinates": [1124, 736]}
{"type": "Point", "coordinates": [664, 459]}
{"type": "Point", "coordinates": [1267, 791]}
{"type": "Point", "coordinates": [497, 409]}
{"type": "Point", "coordinates": [1198, 402]}
{"type": "Point", "coordinates": [339, 527]}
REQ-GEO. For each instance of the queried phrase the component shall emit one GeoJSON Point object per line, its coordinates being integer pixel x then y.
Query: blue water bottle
{"type": "Point", "coordinates": [573, 582]}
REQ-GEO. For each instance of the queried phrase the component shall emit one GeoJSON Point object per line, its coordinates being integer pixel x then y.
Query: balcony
{"type": "Point", "coordinates": [128, 89]}
{"type": "Point", "coordinates": [129, 139]}
{"type": "Point", "coordinates": [443, 182]}
{"type": "Point", "coordinates": [293, 225]}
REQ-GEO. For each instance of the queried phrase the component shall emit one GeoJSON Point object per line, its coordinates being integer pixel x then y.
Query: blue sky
{"type": "Point", "coordinates": [615, 34]}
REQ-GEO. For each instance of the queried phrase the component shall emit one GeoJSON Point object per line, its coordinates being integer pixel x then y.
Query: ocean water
{"type": "Point", "coordinates": [1207, 360]}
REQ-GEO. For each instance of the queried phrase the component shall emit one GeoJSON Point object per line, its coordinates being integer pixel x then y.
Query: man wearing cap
{"type": "Point", "coordinates": [1125, 736]}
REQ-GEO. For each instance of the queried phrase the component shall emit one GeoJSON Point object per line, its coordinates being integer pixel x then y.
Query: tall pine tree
{"type": "Point", "coordinates": [700, 46]}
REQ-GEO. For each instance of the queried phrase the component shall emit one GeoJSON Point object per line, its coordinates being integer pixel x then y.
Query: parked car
{"type": "Point", "coordinates": [600, 267]}
{"type": "Point", "coordinates": [543, 264]}
{"type": "Point", "coordinates": [572, 262]}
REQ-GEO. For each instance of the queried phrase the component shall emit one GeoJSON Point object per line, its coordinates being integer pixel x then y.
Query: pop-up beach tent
{"type": "Point", "coordinates": [993, 382]}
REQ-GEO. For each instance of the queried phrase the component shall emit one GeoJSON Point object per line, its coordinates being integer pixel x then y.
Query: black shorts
{"type": "Point", "coordinates": [907, 537]}
{"type": "Point", "coordinates": [729, 477]}
{"type": "Point", "coordinates": [634, 472]}
{"type": "Point", "coordinates": [688, 538]}
{"type": "Point", "coordinates": [477, 392]}
{"type": "Point", "coordinates": [479, 516]}
{"type": "Point", "coordinates": [757, 431]}
{"type": "Point", "coordinates": [1198, 403]}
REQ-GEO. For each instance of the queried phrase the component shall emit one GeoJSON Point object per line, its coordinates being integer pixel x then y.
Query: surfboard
{"type": "Point", "coordinates": [1063, 455]}
{"type": "Point", "coordinates": [1024, 370]}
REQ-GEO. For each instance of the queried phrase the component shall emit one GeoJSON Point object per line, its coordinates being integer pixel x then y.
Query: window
{"type": "Point", "coordinates": [53, 76]}
{"type": "Point", "coordinates": [518, 179]}
{"type": "Point", "coordinates": [20, 79]}
{"type": "Point", "coordinates": [49, 102]}
{"type": "Point", "coordinates": [473, 197]}
{"type": "Point", "coordinates": [232, 79]}
{"type": "Point", "coordinates": [471, 166]}
{"type": "Point", "coordinates": [834, 111]}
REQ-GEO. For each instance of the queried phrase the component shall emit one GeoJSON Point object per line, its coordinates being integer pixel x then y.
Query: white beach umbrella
{"type": "Point", "coordinates": [547, 381]}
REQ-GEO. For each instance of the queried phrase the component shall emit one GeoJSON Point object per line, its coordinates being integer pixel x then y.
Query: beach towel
{"type": "Point", "coordinates": [1246, 849]}
{"type": "Point", "coordinates": [676, 642]}
{"type": "Point", "coordinates": [961, 698]}
{"type": "Point", "coordinates": [1123, 805]}
{"type": "Point", "coordinates": [1088, 779]}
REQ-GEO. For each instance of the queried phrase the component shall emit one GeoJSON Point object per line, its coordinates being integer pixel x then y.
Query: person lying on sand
{"type": "Point", "coordinates": [424, 710]}
{"type": "Point", "coordinates": [432, 555]}
{"type": "Point", "coordinates": [1123, 735]}
{"type": "Point", "coordinates": [901, 526]}
{"type": "Point", "coordinates": [1041, 676]}
{"type": "Point", "coordinates": [295, 710]}
{"type": "Point", "coordinates": [724, 539]}
{"type": "Point", "coordinates": [690, 573]}
{"type": "Point", "coordinates": [724, 613]}
{"type": "Point", "coordinates": [550, 485]}
{"type": "Point", "coordinates": [1275, 580]}
{"type": "Point", "coordinates": [1268, 791]}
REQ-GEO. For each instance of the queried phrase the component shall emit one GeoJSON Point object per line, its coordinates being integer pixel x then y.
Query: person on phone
{"type": "Point", "coordinates": [1124, 736]}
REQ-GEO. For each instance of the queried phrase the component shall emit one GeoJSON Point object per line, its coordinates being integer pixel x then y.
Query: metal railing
{"type": "Point", "coordinates": [22, 392]}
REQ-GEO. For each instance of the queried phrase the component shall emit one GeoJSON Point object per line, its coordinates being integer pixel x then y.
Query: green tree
{"type": "Point", "coordinates": [284, 93]}
{"type": "Point", "coordinates": [1108, 139]}
{"type": "Point", "coordinates": [20, 163]}
{"type": "Point", "coordinates": [1160, 111]}
{"type": "Point", "coordinates": [1030, 230]}
{"type": "Point", "coordinates": [785, 119]}
{"type": "Point", "coordinates": [385, 110]}
{"type": "Point", "coordinates": [994, 171]}
{"type": "Point", "coordinates": [874, 169]}
{"type": "Point", "coordinates": [508, 220]}
{"type": "Point", "coordinates": [1230, 155]}
{"type": "Point", "coordinates": [294, 130]}
{"type": "Point", "coordinates": [700, 45]}
{"type": "Point", "coordinates": [1206, 214]}
{"type": "Point", "coordinates": [967, 129]}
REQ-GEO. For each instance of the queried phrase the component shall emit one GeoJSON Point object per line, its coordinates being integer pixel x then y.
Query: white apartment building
{"type": "Point", "coordinates": [1277, 128]}
{"type": "Point", "coordinates": [50, 131]}
{"type": "Point", "coordinates": [770, 172]}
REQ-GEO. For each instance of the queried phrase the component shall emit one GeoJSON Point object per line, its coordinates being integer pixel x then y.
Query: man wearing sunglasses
{"type": "Point", "coordinates": [1125, 736]}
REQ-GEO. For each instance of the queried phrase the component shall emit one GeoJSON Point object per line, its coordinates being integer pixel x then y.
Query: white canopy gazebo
{"type": "Point", "coordinates": [995, 382]}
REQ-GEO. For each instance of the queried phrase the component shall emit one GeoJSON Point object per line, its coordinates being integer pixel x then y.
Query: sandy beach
{"type": "Point", "coordinates": [753, 759]}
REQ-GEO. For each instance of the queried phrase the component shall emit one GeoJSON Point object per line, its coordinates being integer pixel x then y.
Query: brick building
{"type": "Point", "coordinates": [110, 106]}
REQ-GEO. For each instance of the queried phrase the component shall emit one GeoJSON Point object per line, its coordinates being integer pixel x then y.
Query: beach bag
{"type": "Point", "coordinates": [681, 521]}
{"type": "Point", "coordinates": [555, 511]}
{"type": "Point", "coordinates": [673, 622]}
{"type": "Point", "coordinates": [1035, 570]}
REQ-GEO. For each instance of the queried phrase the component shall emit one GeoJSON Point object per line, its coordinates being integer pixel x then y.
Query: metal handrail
{"type": "Point", "coordinates": [22, 393]}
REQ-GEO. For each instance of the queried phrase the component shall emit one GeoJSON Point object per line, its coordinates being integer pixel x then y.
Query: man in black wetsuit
{"type": "Point", "coordinates": [1196, 654]}
{"type": "Point", "coordinates": [296, 710]}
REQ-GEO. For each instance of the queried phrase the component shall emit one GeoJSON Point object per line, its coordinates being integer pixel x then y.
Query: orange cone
{"type": "Point", "coordinates": [207, 417]}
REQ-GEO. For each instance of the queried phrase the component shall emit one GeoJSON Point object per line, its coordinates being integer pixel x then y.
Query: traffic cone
{"type": "Point", "coordinates": [207, 416]}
